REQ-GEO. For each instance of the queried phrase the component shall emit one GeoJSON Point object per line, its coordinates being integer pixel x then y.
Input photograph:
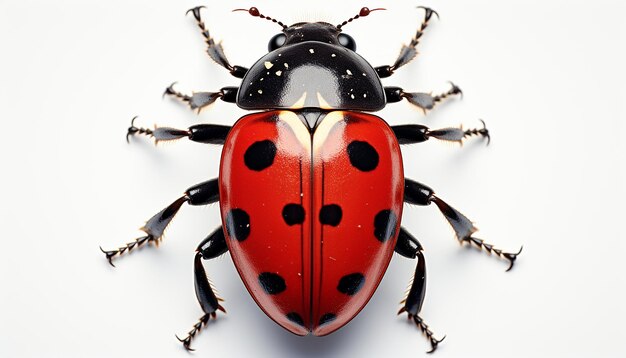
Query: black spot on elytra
{"type": "Point", "coordinates": [272, 283]}
{"type": "Point", "coordinates": [238, 224]}
{"type": "Point", "coordinates": [331, 214]}
{"type": "Point", "coordinates": [327, 318]}
{"type": "Point", "coordinates": [293, 214]}
{"type": "Point", "coordinates": [351, 284]}
{"type": "Point", "coordinates": [260, 155]}
{"type": "Point", "coordinates": [385, 225]}
{"type": "Point", "coordinates": [295, 318]}
{"type": "Point", "coordinates": [363, 156]}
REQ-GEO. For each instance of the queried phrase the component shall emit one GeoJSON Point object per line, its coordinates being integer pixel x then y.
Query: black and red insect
{"type": "Point", "coordinates": [311, 185]}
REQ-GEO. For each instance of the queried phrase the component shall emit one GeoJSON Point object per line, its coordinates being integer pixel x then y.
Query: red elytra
{"type": "Point", "coordinates": [311, 221]}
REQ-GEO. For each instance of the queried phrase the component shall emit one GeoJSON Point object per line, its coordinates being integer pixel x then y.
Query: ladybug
{"type": "Point", "coordinates": [311, 184]}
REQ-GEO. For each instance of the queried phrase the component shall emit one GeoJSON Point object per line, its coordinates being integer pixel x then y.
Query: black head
{"type": "Point", "coordinates": [311, 65]}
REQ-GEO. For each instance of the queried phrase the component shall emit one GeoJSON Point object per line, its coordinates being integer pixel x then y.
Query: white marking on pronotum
{"type": "Point", "coordinates": [260, 91]}
{"type": "Point", "coordinates": [299, 103]}
{"type": "Point", "coordinates": [278, 73]}
{"type": "Point", "coordinates": [286, 65]}
{"type": "Point", "coordinates": [311, 50]}
{"type": "Point", "coordinates": [352, 96]}
{"type": "Point", "coordinates": [364, 95]}
{"type": "Point", "coordinates": [268, 64]}
{"type": "Point", "coordinates": [322, 102]}
{"type": "Point", "coordinates": [364, 75]}
{"type": "Point", "coordinates": [333, 55]}
{"type": "Point", "coordinates": [349, 72]}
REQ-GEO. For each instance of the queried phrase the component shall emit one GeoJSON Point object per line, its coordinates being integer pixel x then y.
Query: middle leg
{"type": "Point", "coordinates": [420, 194]}
{"type": "Point", "coordinates": [199, 100]}
{"type": "Point", "coordinates": [416, 133]}
{"type": "Point", "coordinates": [201, 194]}
{"type": "Point", "coordinates": [200, 133]}
{"type": "Point", "coordinates": [424, 101]}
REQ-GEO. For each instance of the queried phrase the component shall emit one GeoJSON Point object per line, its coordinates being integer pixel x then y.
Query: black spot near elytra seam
{"type": "Point", "coordinates": [238, 224]}
{"type": "Point", "coordinates": [331, 214]}
{"type": "Point", "coordinates": [385, 225]}
{"type": "Point", "coordinates": [260, 155]}
{"type": "Point", "coordinates": [293, 214]}
{"type": "Point", "coordinates": [295, 318]}
{"type": "Point", "coordinates": [363, 156]}
{"type": "Point", "coordinates": [272, 283]}
{"type": "Point", "coordinates": [327, 318]}
{"type": "Point", "coordinates": [351, 284]}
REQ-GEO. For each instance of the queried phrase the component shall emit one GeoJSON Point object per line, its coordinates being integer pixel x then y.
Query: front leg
{"type": "Point", "coordinates": [409, 247]}
{"type": "Point", "coordinates": [408, 53]}
{"type": "Point", "coordinates": [199, 100]}
{"type": "Point", "coordinates": [425, 101]}
{"type": "Point", "coordinates": [215, 51]}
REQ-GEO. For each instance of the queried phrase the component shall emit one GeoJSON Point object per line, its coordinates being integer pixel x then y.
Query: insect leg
{"type": "Point", "coordinates": [211, 247]}
{"type": "Point", "coordinates": [200, 133]}
{"type": "Point", "coordinates": [409, 247]}
{"type": "Point", "coordinates": [199, 100]}
{"type": "Point", "coordinates": [425, 101]}
{"type": "Point", "coordinates": [201, 194]}
{"type": "Point", "coordinates": [215, 51]}
{"type": "Point", "coordinates": [416, 133]}
{"type": "Point", "coordinates": [420, 194]}
{"type": "Point", "coordinates": [408, 53]}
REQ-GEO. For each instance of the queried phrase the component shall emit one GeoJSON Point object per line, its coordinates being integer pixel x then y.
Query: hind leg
{"type": "Point", "coordinates": [211, 247]}
{"type": "Point", "coordinates": [409, 247]}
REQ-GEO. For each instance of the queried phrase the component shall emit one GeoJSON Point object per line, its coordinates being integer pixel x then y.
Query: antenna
{"type": "Point", "coordinates": [364, 12]}
{"type": "Point", "coordinates": [255, 12]}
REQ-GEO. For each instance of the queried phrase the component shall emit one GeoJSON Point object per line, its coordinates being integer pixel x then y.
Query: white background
{"type": "Point", "coordinates": [547, 76]}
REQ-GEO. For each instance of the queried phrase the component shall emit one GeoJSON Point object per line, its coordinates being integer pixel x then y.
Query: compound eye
{"type": "Point", "coordinates": [276, 42]}
{"type": "Point", "coordinates": [347, 41]}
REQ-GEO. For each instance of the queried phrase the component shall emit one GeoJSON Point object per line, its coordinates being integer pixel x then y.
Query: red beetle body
{"type": "Point", "coordinates": [311, 220]}
{"type": "Point", "coordinates": [311, 186]}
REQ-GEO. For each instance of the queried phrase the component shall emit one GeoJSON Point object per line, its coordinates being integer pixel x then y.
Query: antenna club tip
{"type": "Point", "coordinates": [252, 11]}
{"type": "Point", "coordinates": [366, 11]}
